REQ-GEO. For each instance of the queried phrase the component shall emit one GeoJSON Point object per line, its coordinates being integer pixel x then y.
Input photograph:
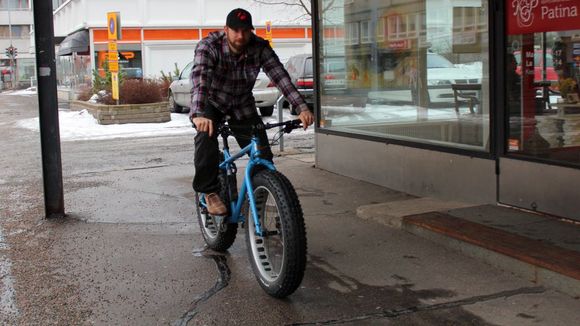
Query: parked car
{"type": "Point", "coordinates": [300, 69]}
{"type": "Point", "coordinates": [334, 74]}
{"type": "Point", "coordinates": [265, 93]}
{"type": "Point", "coordinates": [441, 74]}
{"type": "Point", "coordinates": [180, 91]}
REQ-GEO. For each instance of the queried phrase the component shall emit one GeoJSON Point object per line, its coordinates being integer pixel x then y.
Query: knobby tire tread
{"type": "Point", "coordinates": [295, 233]}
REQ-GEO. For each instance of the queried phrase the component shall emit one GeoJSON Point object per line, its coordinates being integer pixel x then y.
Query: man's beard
{"type": "Point", "coordinates": [238, 47]}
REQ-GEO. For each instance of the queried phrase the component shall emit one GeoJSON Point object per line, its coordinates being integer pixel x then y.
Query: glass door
{"type": "Point", "coordinates": [541, 167]}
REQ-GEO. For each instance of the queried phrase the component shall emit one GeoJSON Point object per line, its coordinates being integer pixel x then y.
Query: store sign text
{"type": "Point", "coordinates": [533, 16]}
{"type": "Point", "coordinates": [559, 12]}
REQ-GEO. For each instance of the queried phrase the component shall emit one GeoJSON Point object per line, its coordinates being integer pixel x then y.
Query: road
{"type": "Point", "coordinates": [129, 251]}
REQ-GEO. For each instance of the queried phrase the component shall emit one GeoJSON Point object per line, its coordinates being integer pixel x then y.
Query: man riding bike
{"type": "Point", "coordinates": [226, 65]}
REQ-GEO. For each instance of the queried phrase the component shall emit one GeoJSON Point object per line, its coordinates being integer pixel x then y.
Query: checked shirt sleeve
{"type": "Point", "coordinates": [201, 77]}
{"type": "Point", "coordinates": [278, 74]}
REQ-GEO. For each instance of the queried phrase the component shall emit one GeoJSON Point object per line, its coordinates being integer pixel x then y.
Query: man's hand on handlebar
{"type": "Point", "coordinates": [307, 118]}
{"type": "Point", "coordinates": [203, 125]}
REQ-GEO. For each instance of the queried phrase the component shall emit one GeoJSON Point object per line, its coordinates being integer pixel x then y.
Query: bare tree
{"type": "Point", "coordinates": [304, 4]}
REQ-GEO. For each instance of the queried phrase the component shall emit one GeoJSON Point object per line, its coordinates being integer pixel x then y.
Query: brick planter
{"type": "Point", "coordinates": [126, 113]}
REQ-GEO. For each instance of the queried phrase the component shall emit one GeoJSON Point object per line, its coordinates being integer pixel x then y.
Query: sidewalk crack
{"type": "Point", "coordinates": [440, 306]}
{"type": "Point", "coordinates": [224, 275]}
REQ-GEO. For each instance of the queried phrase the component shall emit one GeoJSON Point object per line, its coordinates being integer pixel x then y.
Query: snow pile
{"type": "Point", "coordinates": [80, 125]}
{"type": "Point", "coordinates": [28, 91]}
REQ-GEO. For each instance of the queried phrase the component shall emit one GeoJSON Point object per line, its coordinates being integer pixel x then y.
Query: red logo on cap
{"type": "Point", "coordinates": [241, 15]}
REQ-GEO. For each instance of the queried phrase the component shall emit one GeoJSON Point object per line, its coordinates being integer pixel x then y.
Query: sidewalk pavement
{"type": "Point", "coordinates": [542, 249]}
{"type": "Point", "coordinates": [124, 254]}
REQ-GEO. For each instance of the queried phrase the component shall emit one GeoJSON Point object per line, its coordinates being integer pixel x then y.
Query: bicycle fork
{"type": "Point", "coordinates": [247, 186]}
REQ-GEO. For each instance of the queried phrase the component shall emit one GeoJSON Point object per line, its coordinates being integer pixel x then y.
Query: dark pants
{"type": "Point", "coordinates": [206, 157]}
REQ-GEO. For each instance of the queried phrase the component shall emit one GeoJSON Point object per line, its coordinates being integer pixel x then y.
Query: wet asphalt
{"type": "Point", "coordinates": [129, 251]}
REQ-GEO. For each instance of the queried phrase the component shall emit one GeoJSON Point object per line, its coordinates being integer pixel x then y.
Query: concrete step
{"type": "Point", "coordinates": [541, 250]}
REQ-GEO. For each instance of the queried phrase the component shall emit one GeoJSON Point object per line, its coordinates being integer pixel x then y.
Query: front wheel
{"type": "Point", "coordinates": [279, 257]}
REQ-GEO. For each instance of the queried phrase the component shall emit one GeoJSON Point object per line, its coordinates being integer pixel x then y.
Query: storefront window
{"type": "Point", "coordinates": [543, 73]}
{"type": "Point", "coordinates": [73, 71]}
{"type": "Point", "coordinates": [26, 71]}
{"type": "Point", "coordinates": [394, 71]}
{"type": "Point", "coordinates": [130, 61]}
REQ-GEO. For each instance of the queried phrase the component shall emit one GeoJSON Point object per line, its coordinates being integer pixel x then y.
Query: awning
{"type": "Point", "coordinates": [75, 42]}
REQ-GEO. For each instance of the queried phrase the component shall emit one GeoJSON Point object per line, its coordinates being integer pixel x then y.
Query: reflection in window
{"type": "Point", "coordinates": [14, 4]}
{"type": "Point", "coordinates": [352, 33]}
{"type": "Point", "coordinates": [411, 75]}
{"type": "Point", "coordinates": [365, 33]}
{"type": "Point", "coordinates": [380, 30]}
{"type": "Point", "coordinates": [543, 96]}
{"type": "Point", "coordinates": [18, 31]}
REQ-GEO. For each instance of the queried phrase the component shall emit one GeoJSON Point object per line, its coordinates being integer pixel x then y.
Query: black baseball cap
{"type": "Point", "coordinates": [239, 18]}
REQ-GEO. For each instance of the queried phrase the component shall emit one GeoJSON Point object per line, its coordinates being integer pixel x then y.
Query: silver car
{"type": "Point", "coordinates": [265, 93]}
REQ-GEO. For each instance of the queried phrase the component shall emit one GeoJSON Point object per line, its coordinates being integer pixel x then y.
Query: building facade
{"type": "Point", "coordinates": [472, 100]}
{"type": "Point", "coordinates": [16, 31]}
{"type": "Point", "coordinates": [158, 35]}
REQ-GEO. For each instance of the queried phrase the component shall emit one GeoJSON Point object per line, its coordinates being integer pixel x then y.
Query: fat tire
{"type": "Point", "coordinates": [225, 237]}
{"type": "Point", "coordinates": [294, 241]}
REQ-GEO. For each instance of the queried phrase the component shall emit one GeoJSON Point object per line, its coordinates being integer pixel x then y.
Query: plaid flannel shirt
{"type": "Point", "coordinates": [226, 80]}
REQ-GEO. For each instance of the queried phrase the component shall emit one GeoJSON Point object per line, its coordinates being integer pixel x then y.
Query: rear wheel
{"type": "Point", "coordinates": [218, 235]}
{"type": "Point", "coordinates": [173, 106]}
{"type": "Point", "coordinates": [279, 257]}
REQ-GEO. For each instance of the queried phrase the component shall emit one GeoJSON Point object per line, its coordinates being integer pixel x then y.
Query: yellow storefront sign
{"type": "Point", "coordinates": [269, 33]}
{"type": "Point", "coordinates": [114, 66]}
{"type": "Point", "coordinates": [115, 85]}
{"type": "Point", "coordinates": [113, 56]}
{"type": "Point", "coordinates": [114, 25]}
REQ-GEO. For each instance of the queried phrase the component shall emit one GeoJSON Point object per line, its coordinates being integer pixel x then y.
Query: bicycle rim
{"type": "Point", "coordinates": [268, 252]}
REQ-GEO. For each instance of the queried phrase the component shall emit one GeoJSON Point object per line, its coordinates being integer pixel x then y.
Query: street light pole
{"type": "Point", "coordinates": [48, 109]}
{"type": "Point", "coordinates": [11, 56]}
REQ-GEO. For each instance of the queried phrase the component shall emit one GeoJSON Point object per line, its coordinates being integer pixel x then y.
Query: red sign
{"type": "Point", "coordinates": [532, 16]}
{"type": "Point", "coordinates": [399, 45]}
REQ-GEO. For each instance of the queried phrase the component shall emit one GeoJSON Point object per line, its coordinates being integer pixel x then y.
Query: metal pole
{"type": "Point", "coordinates": [280, 119]}
{"type": "Point", "coordinates": [48, 109]}
{"type": "Point", "coordinates": [11, 55]}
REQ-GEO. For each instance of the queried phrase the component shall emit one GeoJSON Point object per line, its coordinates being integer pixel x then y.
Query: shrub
{"type": "Point", "coordinates": [567, 86]}
{"type": "Point", "coordinates": [85, 93]}
{"type": "Point", "coordinates": [139, 91]}
{"type": "Point", "coordinates": [166, 80]}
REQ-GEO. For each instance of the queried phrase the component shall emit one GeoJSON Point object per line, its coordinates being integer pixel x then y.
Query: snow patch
{"type": "Point", "coordinates": [80, 125]}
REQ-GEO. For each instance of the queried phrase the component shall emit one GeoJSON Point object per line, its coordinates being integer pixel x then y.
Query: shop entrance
{"type": "Point", "coordinates": [540, 169]}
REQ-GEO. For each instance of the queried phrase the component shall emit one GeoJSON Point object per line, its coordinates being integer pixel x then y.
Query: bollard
{"type": "Point", "coordinates": [280, 119]}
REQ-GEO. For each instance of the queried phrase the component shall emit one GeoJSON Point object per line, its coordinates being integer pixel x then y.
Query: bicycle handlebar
{"type": "Point", "coordinates": [289, 125]}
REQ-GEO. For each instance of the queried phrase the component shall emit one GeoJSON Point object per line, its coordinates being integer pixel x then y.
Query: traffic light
{"type": "Point", "coordinates": [11, 52]}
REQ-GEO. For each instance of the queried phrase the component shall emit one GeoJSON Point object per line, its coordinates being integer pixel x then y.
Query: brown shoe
{"type": "Point", "coordinates": [215, 206]}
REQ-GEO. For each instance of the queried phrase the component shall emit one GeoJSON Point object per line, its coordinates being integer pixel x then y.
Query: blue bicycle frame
{"type": "Point", "coordinates": [247, 187]}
